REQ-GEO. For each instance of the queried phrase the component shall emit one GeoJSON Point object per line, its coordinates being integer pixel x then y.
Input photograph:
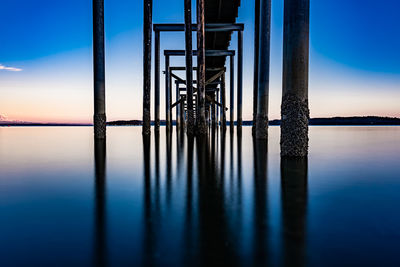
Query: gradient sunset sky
{"type": "Point", "coordinates": [46, 57]}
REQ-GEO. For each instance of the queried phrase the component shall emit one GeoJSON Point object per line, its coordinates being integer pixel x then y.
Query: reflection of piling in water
{"type": "Point", "coordinates": [180, 146]}
{"type": "Point", "coordinates": [239, 162]}
{"type": "Point", "coordinates": [294, 209]}
{"type": "Point", "coordinates": [149, 227]}
{"type": "Point", "coordinates": [169, 166]}
{"type": "Point", "coordinates": [100, 250]}
{"type": "Point", "coordinates": [222, 164]}
{"type": "Point", "coordinates": [189, 214]}
{"type": "Point", "coordinates": [214, 234]}
{"type": "Point", "coordinates": [157, 168]}
{"type": "Point", "coordinates": [260, 245]}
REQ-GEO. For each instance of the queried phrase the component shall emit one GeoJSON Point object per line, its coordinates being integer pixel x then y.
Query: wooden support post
{"type": "Point", "coordinates": [232, 92]}
{"type": "Point", "coordinates": [294, 109]}
{"type": "Point", "coordinates": [201, 68]}
{"type": "Point", "coordinates": [99, 118]}
{"type": "Point", "coordinates": [256, 61]}
{"type": "Point", "coordinates": [263, 76]}
{"type": "Point", "coordinates": [240, 79]}
{"type": "Point", "coordinates": [167, 94]}
{"type": "Point", "coordinates": [157, 81]}
{"type": "Point", "coordinates": [147, 33]}
{"type": "Point", "coordinates": [189, 66]}
{"type": "Point", "coordinates": [223, 100]}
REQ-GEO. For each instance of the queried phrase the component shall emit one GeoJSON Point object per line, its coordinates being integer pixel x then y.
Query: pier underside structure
{"type": "Point", "coordinates": [218, 36]}
{"type": "Point", "coordinates": [201, 99]}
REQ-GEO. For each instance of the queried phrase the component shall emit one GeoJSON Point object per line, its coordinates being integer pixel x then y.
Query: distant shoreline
{"type": "Point", "coordinates": [335, 121]}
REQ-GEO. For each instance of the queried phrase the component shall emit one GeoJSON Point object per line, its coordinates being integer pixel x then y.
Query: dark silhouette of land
{"type": "Point", "coordinates": [6, 124]}
{"type": "Point", "coordinates": [368, 120]}
{"type": "Point", "coordinates": [343, 121]}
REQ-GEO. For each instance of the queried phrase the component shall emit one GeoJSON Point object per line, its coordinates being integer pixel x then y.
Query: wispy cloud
{"type": "Point", "coordinates": [2, 67]}
{"type": "Point", "coordinates": [3, 118]}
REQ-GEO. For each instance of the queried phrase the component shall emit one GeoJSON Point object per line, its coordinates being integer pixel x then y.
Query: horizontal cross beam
{"type": "Point", "coordinates": [194, 68]}
{"type": "Point", "coordinates": [210, 27]}
{"type": "Point", "coordinates": [195, 82]}
{"type": "Point", "coordinates": [209, 53]}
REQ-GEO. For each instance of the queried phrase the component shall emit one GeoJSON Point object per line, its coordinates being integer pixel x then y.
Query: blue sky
{"type": "Point", "coordinates": [354, 57]}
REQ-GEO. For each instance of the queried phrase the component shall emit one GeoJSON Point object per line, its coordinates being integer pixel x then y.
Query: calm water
{"type": "Point", "coordinates": [66, 201]}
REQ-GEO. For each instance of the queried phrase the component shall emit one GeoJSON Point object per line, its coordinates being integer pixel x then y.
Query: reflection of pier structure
{"type": "Point", "coordinates": [216, 22]}
{"type": "Point", "coordinates": [211, 229]}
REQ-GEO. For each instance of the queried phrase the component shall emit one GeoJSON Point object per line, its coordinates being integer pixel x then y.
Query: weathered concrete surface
{"type": "Point", "coordinates": [99, 118]}
{"type": "Point", "coordinates": [99, 121]}
{"type": "Point", "coordinates": [294, 126]}
{"type": "Point", "coordinates": [264, 69]}
{"type": "Point", "coordinates": [147, 33]}
{"type": "Point", "coordinates": [294, 109]}
{"type": "Point", "coordinates": [262, 126]}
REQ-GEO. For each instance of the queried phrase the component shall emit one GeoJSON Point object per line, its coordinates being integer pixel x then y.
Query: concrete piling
{"type": "Point", "coordinates": [99, 117]}
{"type": "Point", "coordinates": [232, 92]}
{"type": "Point", "coordinates": [294, 109]}
{"type": "Point", "coordinates": [190, 124]}
{"type": "Point", "coordinates": [156, 80]}
{"type": "Point", "coordinates": [223, 102]}
{"type": "Point", "coordinates": [147, 34]}
{"type": "Point", "coordinates": [167, 94]}
{"type": "Point", "coordinates": [240, 79]}
{"type": "Point", "coordinates": [201, 68]}
{"type": "Point", "coordinates": [256, 53]}
{"type": "Point", "coordinates": [178, 107]}
{"type": "Point", "coordinates": [263, 66]}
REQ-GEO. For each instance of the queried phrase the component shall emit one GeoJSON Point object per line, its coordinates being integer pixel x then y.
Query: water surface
{"type": "Point", "coordinates": [66, 200]}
